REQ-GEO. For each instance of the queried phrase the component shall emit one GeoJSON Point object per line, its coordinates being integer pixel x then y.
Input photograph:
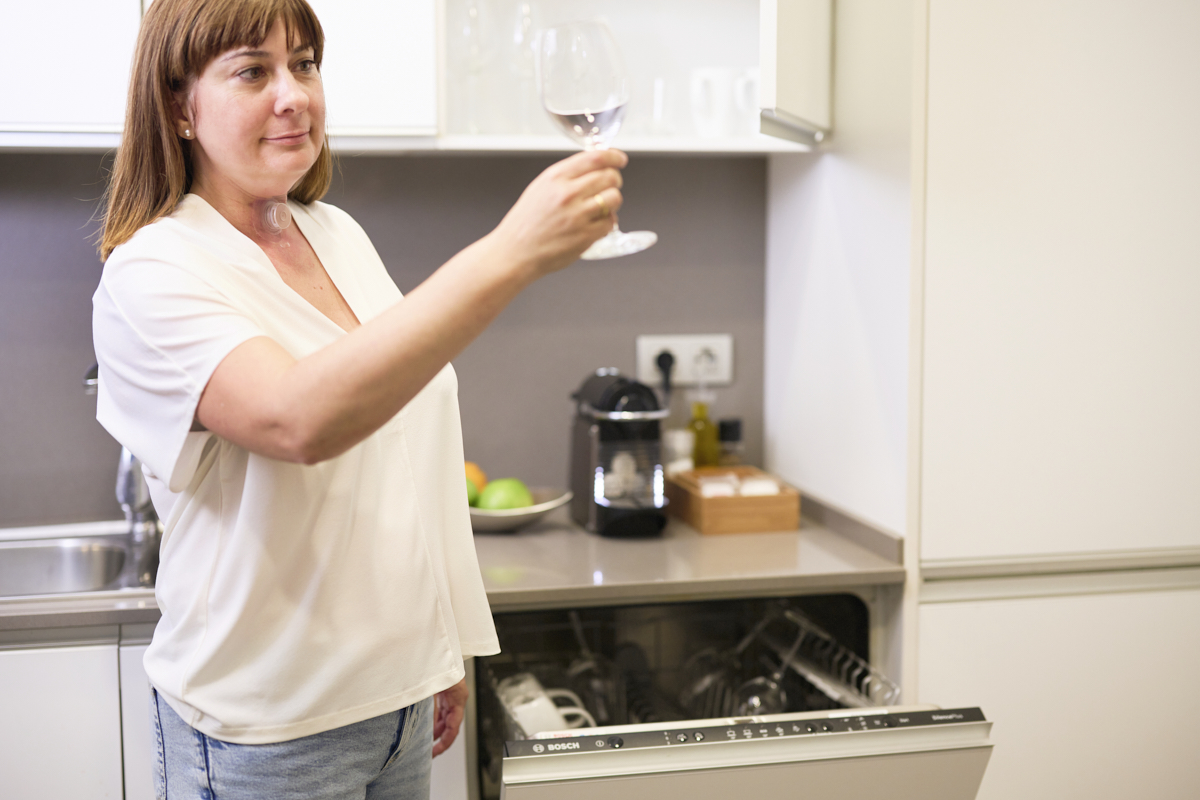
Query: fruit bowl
{"type": "Point", "coordinates": [544, 501]}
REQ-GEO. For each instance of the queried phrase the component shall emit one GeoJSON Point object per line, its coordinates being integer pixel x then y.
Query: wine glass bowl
{"type": "Point", "coordinates": [585, 89]}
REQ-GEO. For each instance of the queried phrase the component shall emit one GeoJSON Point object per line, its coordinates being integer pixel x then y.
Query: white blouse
{"type": "Point", "coordinates": [295, 599]}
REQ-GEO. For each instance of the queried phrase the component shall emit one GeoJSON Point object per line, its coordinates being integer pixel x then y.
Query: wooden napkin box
{"type": "Point", "coordinates": [737, 514]}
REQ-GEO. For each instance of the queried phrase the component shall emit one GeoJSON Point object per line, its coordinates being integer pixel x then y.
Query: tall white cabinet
{"type": "Point", "coordinates": [1061, 381]}
{"type": "Point", "coordinates": [981, 335]}
{"type": "Point", "coordinates": [1083, 678]}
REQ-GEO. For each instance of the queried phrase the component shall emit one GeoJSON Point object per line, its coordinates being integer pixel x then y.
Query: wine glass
{"type": "Point", "coordinates": [584, 88]}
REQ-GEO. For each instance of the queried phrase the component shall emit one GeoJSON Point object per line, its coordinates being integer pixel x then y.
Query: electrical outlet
{"type": "Point", "coordinates": [708, 356]}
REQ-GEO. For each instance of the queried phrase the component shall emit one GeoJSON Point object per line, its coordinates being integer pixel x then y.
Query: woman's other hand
{"type": "Point", "coordinates": [570, 205]}
{"type": "Point", "coordinates": [449, 708]}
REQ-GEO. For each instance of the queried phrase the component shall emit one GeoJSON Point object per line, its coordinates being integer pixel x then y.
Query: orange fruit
{"type": "Point", "coordinates": [476, 476]}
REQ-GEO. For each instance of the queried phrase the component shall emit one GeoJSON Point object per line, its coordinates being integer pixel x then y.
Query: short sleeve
{"type": "Point", "coordinates": [160, 331]}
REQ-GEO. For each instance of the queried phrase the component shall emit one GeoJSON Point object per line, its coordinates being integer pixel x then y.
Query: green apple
{"type": "Point", "coordinates": [504, 493]}
{"type": "Point", "coordinates": [472, 493]}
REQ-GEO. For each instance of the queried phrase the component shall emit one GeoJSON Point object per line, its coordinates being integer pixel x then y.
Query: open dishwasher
{"type": "Point", "coordinates": [711, 699]}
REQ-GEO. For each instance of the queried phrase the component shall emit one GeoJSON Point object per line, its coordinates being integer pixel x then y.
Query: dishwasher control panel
{"type": "Point", "coordinates": [703, 732]}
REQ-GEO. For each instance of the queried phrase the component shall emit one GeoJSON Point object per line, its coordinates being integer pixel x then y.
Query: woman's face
{"type": "Point", "coordinates": [258, 118]}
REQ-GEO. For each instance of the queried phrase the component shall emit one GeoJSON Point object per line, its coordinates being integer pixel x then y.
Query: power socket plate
{"type": "Point", "coordinates": [708, 355]}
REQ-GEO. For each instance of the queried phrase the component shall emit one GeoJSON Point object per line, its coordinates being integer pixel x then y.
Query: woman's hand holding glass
{"type": "Point", "coordinates": [567, 208]}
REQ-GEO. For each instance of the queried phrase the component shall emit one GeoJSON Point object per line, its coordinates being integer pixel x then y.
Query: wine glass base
{"type": "Point", "coordinates": [619, 243]}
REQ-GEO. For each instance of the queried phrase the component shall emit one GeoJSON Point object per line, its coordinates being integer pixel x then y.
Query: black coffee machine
{"type": "Point", "coordinates": [616, 457]}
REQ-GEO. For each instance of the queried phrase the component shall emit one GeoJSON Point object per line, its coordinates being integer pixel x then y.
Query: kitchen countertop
{"type": "Point", "coordinates": [79, 609]}
{"type": "Point", "coordinates": [556, 564]}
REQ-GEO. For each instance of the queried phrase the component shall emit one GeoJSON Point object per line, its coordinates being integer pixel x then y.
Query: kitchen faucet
{"type": "Point", "coordinates": [144, 528]}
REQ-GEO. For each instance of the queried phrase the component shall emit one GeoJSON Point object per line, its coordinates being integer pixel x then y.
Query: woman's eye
{"type": "Point", "coordinates": [307, 65]}
{"type": "Point", "coordinates": [251, 73]}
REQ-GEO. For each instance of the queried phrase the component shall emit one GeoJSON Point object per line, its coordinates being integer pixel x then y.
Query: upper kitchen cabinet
{"type": "Point", "coordinates": [460, 75]}
{"type": "Point", "coordinates": [379, 67]}
{"type": "Point", "coordinates": [694, 73]}
{"type": "Point", "coordinates": [795, 46]}
{"type": "Point", "coordinates": [66, 68]}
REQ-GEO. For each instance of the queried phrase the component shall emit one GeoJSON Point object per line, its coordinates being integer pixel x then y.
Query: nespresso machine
{"type": "Point", "coordinates": [616, 460]}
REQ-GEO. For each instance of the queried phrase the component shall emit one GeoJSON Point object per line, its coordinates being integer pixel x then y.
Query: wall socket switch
{"type": "Point", "coordinates": [708, 356]}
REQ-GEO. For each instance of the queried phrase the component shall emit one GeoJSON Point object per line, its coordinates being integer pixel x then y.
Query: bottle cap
{"type": "Point", "coordinates": [730, 429]}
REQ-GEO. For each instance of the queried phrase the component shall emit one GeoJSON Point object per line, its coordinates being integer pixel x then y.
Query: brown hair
{"type": "Point", "coordinates": [177, 40]}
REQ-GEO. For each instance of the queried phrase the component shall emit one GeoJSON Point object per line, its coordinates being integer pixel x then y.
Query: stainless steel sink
{"type": "Point", "coordinates": [54, 566]}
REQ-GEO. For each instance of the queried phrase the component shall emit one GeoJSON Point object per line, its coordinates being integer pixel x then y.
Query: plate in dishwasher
{"type": "Point", "coordinates": [899, 752]}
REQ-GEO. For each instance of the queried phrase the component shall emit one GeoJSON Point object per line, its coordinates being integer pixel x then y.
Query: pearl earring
{"type": "Point", "coordinates": [187, 133]}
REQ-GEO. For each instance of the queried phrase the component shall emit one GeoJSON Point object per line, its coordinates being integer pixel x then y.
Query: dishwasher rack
{"type": "Point", "coordinates": [834, 670]}
{"type": "Point", "coordinates": [630, 665]}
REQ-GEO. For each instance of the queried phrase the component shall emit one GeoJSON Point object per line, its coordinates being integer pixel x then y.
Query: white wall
{"type": "Point", "coordinates": [837, 281]}
{"type": "Point", "coordinates": [1061, 407]}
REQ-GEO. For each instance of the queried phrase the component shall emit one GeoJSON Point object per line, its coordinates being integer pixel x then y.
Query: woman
{"type": "Point", "coordinates": [297, 421]}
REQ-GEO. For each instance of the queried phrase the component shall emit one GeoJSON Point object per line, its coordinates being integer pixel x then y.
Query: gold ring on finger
{"type": "Point", "coordinates": [604, 212]}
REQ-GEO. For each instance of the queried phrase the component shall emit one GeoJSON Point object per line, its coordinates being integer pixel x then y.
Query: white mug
{"type": "Point", "coordinates": [712, 101]}
{"type": "Point", "coordinates": [745, 103]}
{"type": "Point", "coordinates": [725, 101]}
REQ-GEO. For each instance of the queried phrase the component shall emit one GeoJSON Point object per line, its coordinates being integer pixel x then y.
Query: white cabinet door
{"type": "Point", "coordinates": [379, 66]}
{"type": "Point", "coordinates": [137, 739]}
{"type": "Point", "coordinates": [1091, 695]}
{"type": "Point", "coordinates": [795, 58]}
{"type": "Point", "coordinates": [60, 723]}
{"type": "Point", "coordinates": [66, 63]}
{"type": "Point", "coordinates": [1061, 363]}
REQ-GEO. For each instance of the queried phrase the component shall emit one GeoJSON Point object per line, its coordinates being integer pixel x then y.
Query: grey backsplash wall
{"type": "Point", "coordinates": [705, 276]}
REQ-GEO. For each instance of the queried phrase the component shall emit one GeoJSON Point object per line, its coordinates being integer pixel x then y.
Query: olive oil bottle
{"type": "Point", "coordinates": [707, 450]}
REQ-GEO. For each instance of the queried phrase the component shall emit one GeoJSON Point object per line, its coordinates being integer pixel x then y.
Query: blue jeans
{"type": "Point", "coordinates": [384, 758]}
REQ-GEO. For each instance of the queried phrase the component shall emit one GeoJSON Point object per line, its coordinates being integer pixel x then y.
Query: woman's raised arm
{"type": "Point", "coordinates": [312, 409]}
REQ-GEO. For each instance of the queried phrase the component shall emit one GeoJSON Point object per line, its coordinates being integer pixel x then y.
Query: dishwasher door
{"type": "Point", "coordinates": [917, 752]}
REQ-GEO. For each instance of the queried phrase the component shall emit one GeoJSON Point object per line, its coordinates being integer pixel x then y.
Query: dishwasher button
{"type": "Point", "coordinates": [615, 742]}
{"type": "Point", "coordinates": [681, 737]}
{"type": "Point", "coordinates": [698, 736]}
{"type": "Point", "coordinates": [600, 743]}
